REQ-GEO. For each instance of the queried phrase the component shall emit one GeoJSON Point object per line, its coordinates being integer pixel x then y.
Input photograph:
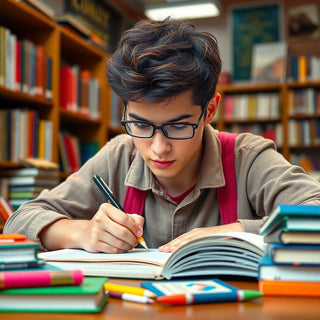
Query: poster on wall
{"type": "Point", "coordinates": [252, 25]}
{"type": "Point", "coordinates": [303, 22]}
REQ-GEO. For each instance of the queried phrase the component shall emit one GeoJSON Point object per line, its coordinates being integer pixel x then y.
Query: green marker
{"type": "Point", "coordinates": [244, 295]}
{"type": "Point", "coordinates": [195, 298]}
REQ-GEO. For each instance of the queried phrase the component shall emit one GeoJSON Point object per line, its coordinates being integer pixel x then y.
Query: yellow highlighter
{"type": "Point", "coordinates": [109, 194]}
{"type": "Point", "coordinates": [112, 287]}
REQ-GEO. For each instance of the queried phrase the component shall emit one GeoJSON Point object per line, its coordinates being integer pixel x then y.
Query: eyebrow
{"type": "Point", "coordinates": [179, 118]}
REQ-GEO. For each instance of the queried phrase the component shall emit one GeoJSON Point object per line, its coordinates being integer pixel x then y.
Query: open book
{"type": "Point", "coordinates": [227, 254]}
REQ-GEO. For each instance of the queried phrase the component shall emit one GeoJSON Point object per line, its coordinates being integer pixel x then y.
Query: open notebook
{"type": "Point", "coordinates": [230, 254]}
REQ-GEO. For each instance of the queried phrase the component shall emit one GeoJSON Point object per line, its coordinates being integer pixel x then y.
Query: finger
{"type": "Point", "coordinates": [114, 224]}
{"type": "Point", "coordinates": [124, 219]}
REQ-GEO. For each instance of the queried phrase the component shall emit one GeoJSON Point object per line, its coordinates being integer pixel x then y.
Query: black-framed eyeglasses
{"type": "Point", "coordinates": [174, 130]}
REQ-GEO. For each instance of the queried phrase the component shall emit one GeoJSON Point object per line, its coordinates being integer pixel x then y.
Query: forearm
{"type": "Point", "coordinates": [64, 233]}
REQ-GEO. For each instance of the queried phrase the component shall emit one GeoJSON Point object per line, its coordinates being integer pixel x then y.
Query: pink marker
{"type": "Point", "coordinates": [39, 278]}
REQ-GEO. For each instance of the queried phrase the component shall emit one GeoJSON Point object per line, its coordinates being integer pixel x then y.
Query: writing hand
{"type": "Point", "coordinates": [112, 231]}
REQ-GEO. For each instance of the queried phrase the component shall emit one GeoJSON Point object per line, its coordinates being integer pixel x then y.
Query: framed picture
{"type": "Point", "coordinates": [269, 62]}
{"type": "Point", "coordinates": [252, 25]}
{"type": "Point", "coordinates": [303, 22]}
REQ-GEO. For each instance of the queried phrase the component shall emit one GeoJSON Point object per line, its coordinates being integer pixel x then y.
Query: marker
{"type": "Point", "coordinates": [112, 287]}
{"type": "Point", "coordinates": [39, 278]}
{"type": "Point", "coordinates": [129, 297]}
{"type": "Point", "coordinates": [196, 298]}
{"type": "Point", "coordinates": [109, 194]}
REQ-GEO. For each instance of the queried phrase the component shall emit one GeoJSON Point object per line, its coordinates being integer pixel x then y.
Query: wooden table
{"type": "Point", "coordinates": [270, 308]}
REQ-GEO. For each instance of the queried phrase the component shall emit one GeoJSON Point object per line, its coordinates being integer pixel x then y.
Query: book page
{"type": "Point", "coordinates": [151, 256]}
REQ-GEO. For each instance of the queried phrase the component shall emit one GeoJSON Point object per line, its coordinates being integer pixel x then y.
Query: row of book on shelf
{"type": "Point", "coordinates": [304, 101]}
{"type": "Point", "coordinates": [79, 91]}
{"type": "Point", "coordinates": [303, 68]}
{"type": "Point", "coordinates": [291, 264]}
{"type": "Point", "coordinates": [262, 105]}
{"type": "Point", "coordinates": [24, 66]}
{"type": "Point", "coordinates": [30, 284]}
{"type": "Point", "coordinates": [24, 135]}
{"type": "Point", "coordinates": [272, 131]}
{"type": "Point", "coordinates": [74, 152]}
{"type": "Point", "coordinates": [304, 132]}
{"type": "Point", "coordinates": [301, 132]}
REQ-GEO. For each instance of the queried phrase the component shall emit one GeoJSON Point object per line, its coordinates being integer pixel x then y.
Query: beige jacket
{"type": "Point", "coordinates": [264, 179]}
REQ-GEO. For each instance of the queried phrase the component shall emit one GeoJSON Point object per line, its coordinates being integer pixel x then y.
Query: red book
{"type": "Point", "coordinates": [39, 71]}
{"type": "Point", "coordinates": [228, 107]}
{"type": "Point", "coordinates": [18, 66]}
{"type": "Point", "coordinates": [65, 86]}
{"type": "Point", "coordinates": [5, 209]}
{"type": "Point", "coordinates": [71, 153]}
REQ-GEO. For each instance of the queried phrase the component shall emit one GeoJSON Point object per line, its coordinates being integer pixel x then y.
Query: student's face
{"type": "Point", "coordinates": [168, 158]}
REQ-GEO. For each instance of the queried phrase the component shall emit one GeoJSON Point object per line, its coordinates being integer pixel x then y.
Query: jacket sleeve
{"type": "Point", "coordinates": [269, 180]}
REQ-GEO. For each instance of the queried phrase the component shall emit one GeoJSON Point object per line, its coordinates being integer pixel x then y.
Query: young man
{"type": "Point", "coordinates": [166, 75]}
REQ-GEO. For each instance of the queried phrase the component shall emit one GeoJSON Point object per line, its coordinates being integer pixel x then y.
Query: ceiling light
{"type": "Point", "coordinates": [183, 10]}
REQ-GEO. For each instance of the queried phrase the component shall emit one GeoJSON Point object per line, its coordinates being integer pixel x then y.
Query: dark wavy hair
{"type": "Point", "coordinates": [156, 60]}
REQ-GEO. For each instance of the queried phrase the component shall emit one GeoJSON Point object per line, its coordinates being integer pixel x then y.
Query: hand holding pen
{"type": "Point", "coordinates": [109, 194]}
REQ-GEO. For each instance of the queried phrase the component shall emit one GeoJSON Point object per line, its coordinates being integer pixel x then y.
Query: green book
{"type": "Point", "coordinates": [88, 297]}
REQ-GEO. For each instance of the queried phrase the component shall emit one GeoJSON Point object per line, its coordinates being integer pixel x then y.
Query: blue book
{"type": "Point", "coordinates": [268, 270]}
{"type": "Point", "coordinates": [294, 254]}
{"type": "Point", "coordinates": [285, 212]}
{"type": "Point", "coordinates": [163, 288]}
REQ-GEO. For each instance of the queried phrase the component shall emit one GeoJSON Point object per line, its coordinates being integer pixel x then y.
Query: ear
{"type": "Point", "coordinates": [212, 107]}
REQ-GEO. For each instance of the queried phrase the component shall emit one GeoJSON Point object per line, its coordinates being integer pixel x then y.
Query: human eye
{"type": "Point", "coordinates": [178, 126]}
{"type": "Point", "coordinates": [142, 125]}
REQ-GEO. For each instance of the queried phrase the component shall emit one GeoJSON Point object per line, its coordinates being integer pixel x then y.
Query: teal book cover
{"type": "Point", "coordinates": [88, 297]}
{"type": "Point", "coordinates": [306, 217]}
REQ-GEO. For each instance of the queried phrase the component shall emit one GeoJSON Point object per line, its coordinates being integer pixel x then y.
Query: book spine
{"type": "Point", "coordinates": [42, 278]}
{"type": "Point", "coordinates": [289, 288]}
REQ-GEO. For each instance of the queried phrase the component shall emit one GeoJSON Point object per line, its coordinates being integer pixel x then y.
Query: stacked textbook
{"type": "Point", "coordinates": [27, 183]}
{"type": "Point", "coordinates": [28, 284]}
{"type": "Point", "coordinates": [291, 265]}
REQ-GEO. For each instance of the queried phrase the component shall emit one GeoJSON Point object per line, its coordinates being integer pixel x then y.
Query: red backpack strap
{"type": "Point", "coordinates": [227, 195]}
{"type": "Point", "coordinates": [134, 200]}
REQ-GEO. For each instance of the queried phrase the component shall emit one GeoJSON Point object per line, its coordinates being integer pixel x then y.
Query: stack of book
{"type": "Point", "coordinates": [28, 284]}
{"type": "Point", "coordinates": [26, 183]}
{"type": "Point", "coordinates": [291, 265]}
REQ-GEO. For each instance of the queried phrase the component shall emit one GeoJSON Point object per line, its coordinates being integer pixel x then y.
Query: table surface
{"type": "Point", "coordinates": [259, 309]}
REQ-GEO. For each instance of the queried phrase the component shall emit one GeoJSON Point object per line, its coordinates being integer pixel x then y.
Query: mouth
{"type": "Point", "coordinates": [162, 164]}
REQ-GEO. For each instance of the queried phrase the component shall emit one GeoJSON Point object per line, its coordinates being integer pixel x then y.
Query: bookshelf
{"type": "Point", "coordinates": [63, 47]}
{"type": "Point", "coordinates": [294, 125]}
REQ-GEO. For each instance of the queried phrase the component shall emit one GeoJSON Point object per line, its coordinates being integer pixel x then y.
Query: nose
{"type": "Point", "coordinates": [160, 143]}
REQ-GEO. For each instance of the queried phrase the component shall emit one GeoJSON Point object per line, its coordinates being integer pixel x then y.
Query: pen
{"type": "Point", "coordinates": [129, 297]}
{"type": "Point", "coordinates": [196, 298]}
{"type": "Point", "coordinates": [112, 287]}
{"type": "Point", "coordinates": [109, 194]}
